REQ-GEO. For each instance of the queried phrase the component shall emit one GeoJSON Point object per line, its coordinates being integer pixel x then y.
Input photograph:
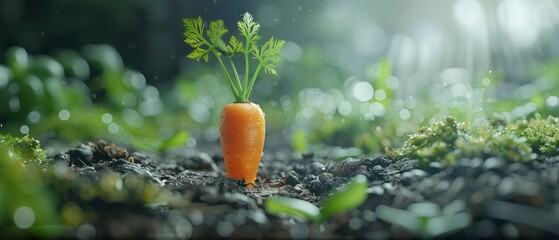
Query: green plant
{"type": "Point", "coordinates": [28, 206]}
{"type": "Point", "coordinates": [448, 140]}
{"type": "Point", "coordinates": [77, 96]}
{"type": "Point", "coordinates": [24, 149]}
{"type": "Point", "coordinates": [242, 125]}
{"type": "Point", "coordinates": [344, 199]}
{"type": "Point", "coordinates": [267, 55]}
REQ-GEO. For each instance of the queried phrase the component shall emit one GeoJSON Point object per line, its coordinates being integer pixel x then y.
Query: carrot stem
{"type": "Point", "coordinates": [238, 79]}
{"type": "Point", "coordinates": [238, 98]}
{"type": "Point", "coordinates": [249, 89]}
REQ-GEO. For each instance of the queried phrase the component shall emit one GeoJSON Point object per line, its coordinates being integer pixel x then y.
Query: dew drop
{"type": "Point", "coordinates": [24, 217]}
{"type": "Point", "coordinates": [24, 129]}
{"type": "Point", "coordinates": [64, 115]}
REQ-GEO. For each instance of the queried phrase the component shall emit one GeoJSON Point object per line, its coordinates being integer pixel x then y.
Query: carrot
{"type": "Point", "coordinates": [242, 124]}
{"type": "Point", "coordinates": [242, 131]}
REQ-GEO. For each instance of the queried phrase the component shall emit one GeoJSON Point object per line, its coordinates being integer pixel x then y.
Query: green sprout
{"type": "Point", "coordinates": [345, 199]}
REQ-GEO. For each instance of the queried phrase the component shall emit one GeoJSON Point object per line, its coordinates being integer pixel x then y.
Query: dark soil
{"type": "Point", "coordinates": [508, 200]}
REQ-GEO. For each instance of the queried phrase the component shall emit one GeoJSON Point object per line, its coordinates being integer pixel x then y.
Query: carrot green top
{"type": "Point", "coordinates": [267, 56]}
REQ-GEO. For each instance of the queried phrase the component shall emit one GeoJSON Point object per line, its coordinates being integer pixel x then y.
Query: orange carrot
{"type": "Point", "coordinates": [242, 131]}
{"type": "Point", "coordinates": [242, 126]}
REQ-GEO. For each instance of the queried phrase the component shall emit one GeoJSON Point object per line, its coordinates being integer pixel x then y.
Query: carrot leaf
{"type": "Point", "coordinates": [267, 56]}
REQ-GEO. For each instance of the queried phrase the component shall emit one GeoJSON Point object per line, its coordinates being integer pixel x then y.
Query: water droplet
{"type": "Point", "coordinates": [24, 217]}
{"type": "Point", "coordinates": [113, 128]}
{"type": "Point", "coordinates": [34, 116]}
{"type": "Point", "coordinates": [107, 118]}
{"type": "Point", "coordinates": [24, 129]}
{"type": "Point", "coordinates": [64, 115]}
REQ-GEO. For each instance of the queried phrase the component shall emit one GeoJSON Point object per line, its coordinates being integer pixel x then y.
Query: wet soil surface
{"type": "Point", "coordinates": [504, 199]}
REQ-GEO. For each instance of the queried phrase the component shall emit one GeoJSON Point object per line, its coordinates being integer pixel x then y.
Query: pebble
{"type": "Point", "coordinates": [81, 156]}
{"type": "Point", "coordinates": [418, 173]}
{"type": "Point", "coordinates": [407, 179]}
{"type": "Point", "coordinates": [375, 190]}
{"type": "Point", "coordinates": [506, 187]}
{"type": "Point", "coordinates": [434, 167]}
{"type": "Point", "coordinates": [292, 178]}
{"type": "Point", "coordinates": [381, 161]}
{"type": "Point", "coordinates": [377, 168]}
{"type": "Point", "coordinates": [318, 167]}
{"type": "Point", "coordinates": [389, 186]}
{"type": "Point", "coordinates": [518, 168]}
{"type": "Point", "coordinates": [493, 162]}
{"type": "Point", "coordinates": [325, 177]}
{"type": "Point", "coordinates": [315, 187]}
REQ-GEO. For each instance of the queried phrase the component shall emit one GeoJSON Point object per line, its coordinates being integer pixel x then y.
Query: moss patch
{"type": "Point", "coordinates": [448, 140]}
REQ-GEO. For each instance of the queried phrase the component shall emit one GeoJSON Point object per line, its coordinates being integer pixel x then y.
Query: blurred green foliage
{"type": "Point", "coordinates": [27, 208]}
{"type": "Point", "coordinates": [75, 97]}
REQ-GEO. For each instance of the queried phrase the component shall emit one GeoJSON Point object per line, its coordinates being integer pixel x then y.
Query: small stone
{"type": "Point", "coordinates": [315, 187]}
{"type": "Point", "coordinates": [377, 168]}
{"type": "Point", "coordinates": [318, 167]}
{"type": "Point", "coordinates": [419, 173]}
{"type": "Point", "coordinates": [407, 179]}
{"type": "Point", "coordinates": [292, 178]}
{"type": "Point", "coordinates": [81, 156]}
{"type": "Point", "coordinates": [493, 162]}
{"type": "Point", "coordinates": [141, 158]}
{"type": "Point", "coordinates": [519, 168]}
{"type": "Point", "coordinates": [506, 187]}
{"type": "Point", "coordinates": [434, 167]}
{"type": "Point", "coordinates": [325, 177]}
{"type": "Point", "coordinates": [381, 161]}
{"type": "Point", "coordinates": [476, 162]}
{"type": "Point", "coordinates": [389, 186]}
{"type": "Point", "coordinates": [347, 167]}
{"type": "Point", "coordinates": [375, 190]}
{"type": "Point", "coordinates": [309, 178]}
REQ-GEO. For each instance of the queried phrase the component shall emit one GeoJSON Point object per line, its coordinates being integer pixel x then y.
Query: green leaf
{"type": "Point", "coordinates": [194, 30]}
{"type": "Point", "coordinates": [216, 31]}
{"type": "Point", "coordinates": [249, 29]}
{"type": "Point", "coordinates": [347, 198]}
{"type": "Point", "coordinates": [292, 207]}
{"type": "Point", "coordinates": [177, 140]}
{"type": "Point", "coordinates": [18, 60]}
{"type": "Point", "coordinates": [194, 36]}
{"type": "Point", "coordinates": [269, 54]}
{"type": "Point", "coordinates": [199, 53]}
{"type": "Point", "coordinates": [234, 46]}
